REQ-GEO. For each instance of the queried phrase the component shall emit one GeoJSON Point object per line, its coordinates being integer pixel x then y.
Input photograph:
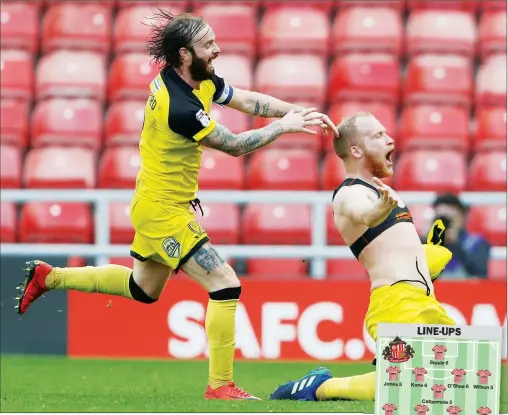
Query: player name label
{"type": "Point", "coordinates": [425, 369]}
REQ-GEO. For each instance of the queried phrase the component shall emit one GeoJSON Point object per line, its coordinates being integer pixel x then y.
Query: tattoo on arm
{"type": "Point", "coordinates": [266, 107]}
{"type": "Point", "coordinates": [208, 258]}
{"type": "Point", "coordinates": [256, 108]}
{"type": "Point", "coordinates": [239, 144]}
{"type": "Point", "coordinates": [265, 113]}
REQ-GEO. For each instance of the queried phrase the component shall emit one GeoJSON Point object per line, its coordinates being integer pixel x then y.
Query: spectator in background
{"type": "Point", "coordinates": [470, 251]}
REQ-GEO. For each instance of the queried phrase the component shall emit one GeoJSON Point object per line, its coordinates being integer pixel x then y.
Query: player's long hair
{"type": "Point", "coordinates": [169, 33]}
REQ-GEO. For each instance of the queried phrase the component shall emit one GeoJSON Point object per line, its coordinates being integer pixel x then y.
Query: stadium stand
{"type": "Point", "coordinates": [74, 82]}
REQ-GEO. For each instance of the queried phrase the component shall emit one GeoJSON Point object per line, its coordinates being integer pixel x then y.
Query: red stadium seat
{"type": "Point", "coordinates": [441, 31]}
{"type": "Point", "coordinates": [333, 236]}
{"type": "Point", "coordinates": [324, 5]}
{"type": "Point", "coordinates": [491, 81]}
{"type": "Point", "coordinates": [68, 74]}
{"type": "Point", "coordinates": [132, 27]}
{"type": "Point", "coordinates": [130, 76]}
{"type": "Point", "coordinates": [14, 122]}
{"type": "Point", "coordinates": [346, 269]}
{"type": "Point", "coordinates": [67, 122]}
{"type": "Point", "coordinates": [119, 167]}
{"type": "Point", "coordinates": [492, 33]}
{"type": "Point", "coordinates": [362, 29]}
{"type": "Point", "coordinates": [59, 167]}
{"type": "Point", "coordinates": [488, 5]}
{"type": "Point", "coordinates": [393, 4]}
{"type": "Point", "coordinates": [464, 5]}
{"type": "Point", "coordinates": [434, 127]}
{"type": "Point", "coordinates": [384, 112]}
{"type": "Point", "coordinates": [10, 167]}
{"type": "Point", "coordinates": [235, 121]}
{"type": "Point", "coordinates": [55, 222]}
{"type": "Point", "coordinates": [221, 171]}
{"type": "Point", "coordinates": [276, 224]}
{"type": "Point", "coordinates": [487, 172]}
{"type": "Point", "coordinates": [333, 173]}
{"type": "Point", "coordinates": [8, 222]}
{"type": "Point", "coordinates": [77, 27]}
{"type": "Point", "coordinates": [234, 25]}
{"type": "Point", "coordinates": [16, 75]}
{"type": "Point", "coordinates": [439, 79]}
{"type": "Point", "coordinates": [174, 4]}
{"type": "Point", "coordinates": [283, 169]}
{"type": "Point", "coordinates": [277, 268]}
{"type": "Point", "coordinates": [221, 222]}
{"type": "Point", "coordinates": [292, 77]}
{"type": "Point", "coordinates": [120, 226]}
{"type": "Point", "coordinates": [19, 26]}
{"type": "Point", "coordinates": [490, 222]}
{"type": "Point", "coordinates": [294, 29]}
{"type": "Point", "coordinates": [423, 218]}
{"type": "Point", "coordinates": [490, 129]}
{"type": "Point", "coordinates": [497, 269]}
{"type": "Point", "coordinates": [426, 170]}
{"type": "Point", "coordinates": [368, 77]}
{"type": "Point", "coordinates": [124, 121]}
{"type": "Point", "coordinates": [109, 4]}
{"type": "Point", "coordinates": [235, 69]}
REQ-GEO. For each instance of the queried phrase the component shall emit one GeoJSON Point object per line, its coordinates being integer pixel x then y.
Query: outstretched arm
{"type": "Point", "coordinates": [220, 138]}
{"type": "Point", "coordinates": [259, 105]}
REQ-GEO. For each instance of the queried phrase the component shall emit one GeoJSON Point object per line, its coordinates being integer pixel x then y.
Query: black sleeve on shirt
{"type": "Point", "coordinates": [187, 117]}
{"type": "Point", "coordinates": [219, 86]}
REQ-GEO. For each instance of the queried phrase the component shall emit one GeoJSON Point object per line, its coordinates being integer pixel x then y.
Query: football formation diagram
{"type": "Point", "coordinates": [437, 376]}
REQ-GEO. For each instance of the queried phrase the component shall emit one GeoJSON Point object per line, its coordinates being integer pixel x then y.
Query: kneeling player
{"type": "Point", "coordinates": [376, 224]}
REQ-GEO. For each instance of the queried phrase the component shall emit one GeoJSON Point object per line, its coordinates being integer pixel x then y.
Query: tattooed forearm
{"type": "Point", "coordinates": [240, 144]}
{"type": "Point", "coordinates": [257, 109]}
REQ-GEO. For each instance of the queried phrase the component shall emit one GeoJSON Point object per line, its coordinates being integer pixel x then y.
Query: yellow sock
{"type": "Point", "coordinates": [354, 388]}
{"type": "Point", "coordinates": [220, 329]}
{"type": "Point", "coordinates": [107, 279]}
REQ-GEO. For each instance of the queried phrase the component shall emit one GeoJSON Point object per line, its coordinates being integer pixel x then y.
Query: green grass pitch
{"type": "Point", "coordinates": [60, 384]}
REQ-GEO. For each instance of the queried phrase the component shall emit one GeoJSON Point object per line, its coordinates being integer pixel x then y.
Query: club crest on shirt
{"type": "Point", "coordinates": [398, 351]}
{"type": "Point", "coordinates": [195, 227]}
{"type": "Point", "coordinates": [202, 117]}
{"type": "Point", "coordinates": [171, 247]}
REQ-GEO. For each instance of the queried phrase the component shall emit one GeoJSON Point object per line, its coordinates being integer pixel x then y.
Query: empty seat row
{"type": "Point", "coordinates": [256, 224]}
{"type": "Point", "coordinates": [268, 169]}
{"type": "Point", "coordinates": [436, 79]}
{"type": "Point", "coordinates": [282, 29]}
{"type": "Point", "coordinates": [81, 122]}
{"type": "Point", "coordinates": [320, 4]}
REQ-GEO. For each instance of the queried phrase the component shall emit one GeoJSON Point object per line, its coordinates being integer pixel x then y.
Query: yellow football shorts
{"type": "Point", "coordinates": [168, 234]}
{"type": "Point", "coordinates": [404, 304]}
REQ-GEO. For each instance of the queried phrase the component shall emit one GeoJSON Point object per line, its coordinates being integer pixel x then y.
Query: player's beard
{"type": "Point", "coordinates": [198, 69]}
{"type": "Point", "coordinates": [377, 166]}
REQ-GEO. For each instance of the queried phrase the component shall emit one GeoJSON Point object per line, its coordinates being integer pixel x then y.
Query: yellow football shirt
{"type": "Point", "coordinates": [176, 119]}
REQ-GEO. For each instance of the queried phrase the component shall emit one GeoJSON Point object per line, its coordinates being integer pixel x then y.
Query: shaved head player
{"type": "Point", "coordinates": [377, 225]}
{"type": "Point", "coordinates": [167, 238]}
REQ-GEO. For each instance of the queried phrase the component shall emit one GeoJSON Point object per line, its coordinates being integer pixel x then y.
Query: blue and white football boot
{"type": "Point", "coordinates": [303, 389]}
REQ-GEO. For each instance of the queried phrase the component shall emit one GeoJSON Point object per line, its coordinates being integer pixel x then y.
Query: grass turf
{"type": "Point", "coordinates": [59, 384]}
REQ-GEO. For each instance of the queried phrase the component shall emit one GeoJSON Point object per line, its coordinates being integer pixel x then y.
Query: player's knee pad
{"type": "Point", "coordinates": [138, 294]}
{"type": "Point", "coordinates": [226, 294]}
